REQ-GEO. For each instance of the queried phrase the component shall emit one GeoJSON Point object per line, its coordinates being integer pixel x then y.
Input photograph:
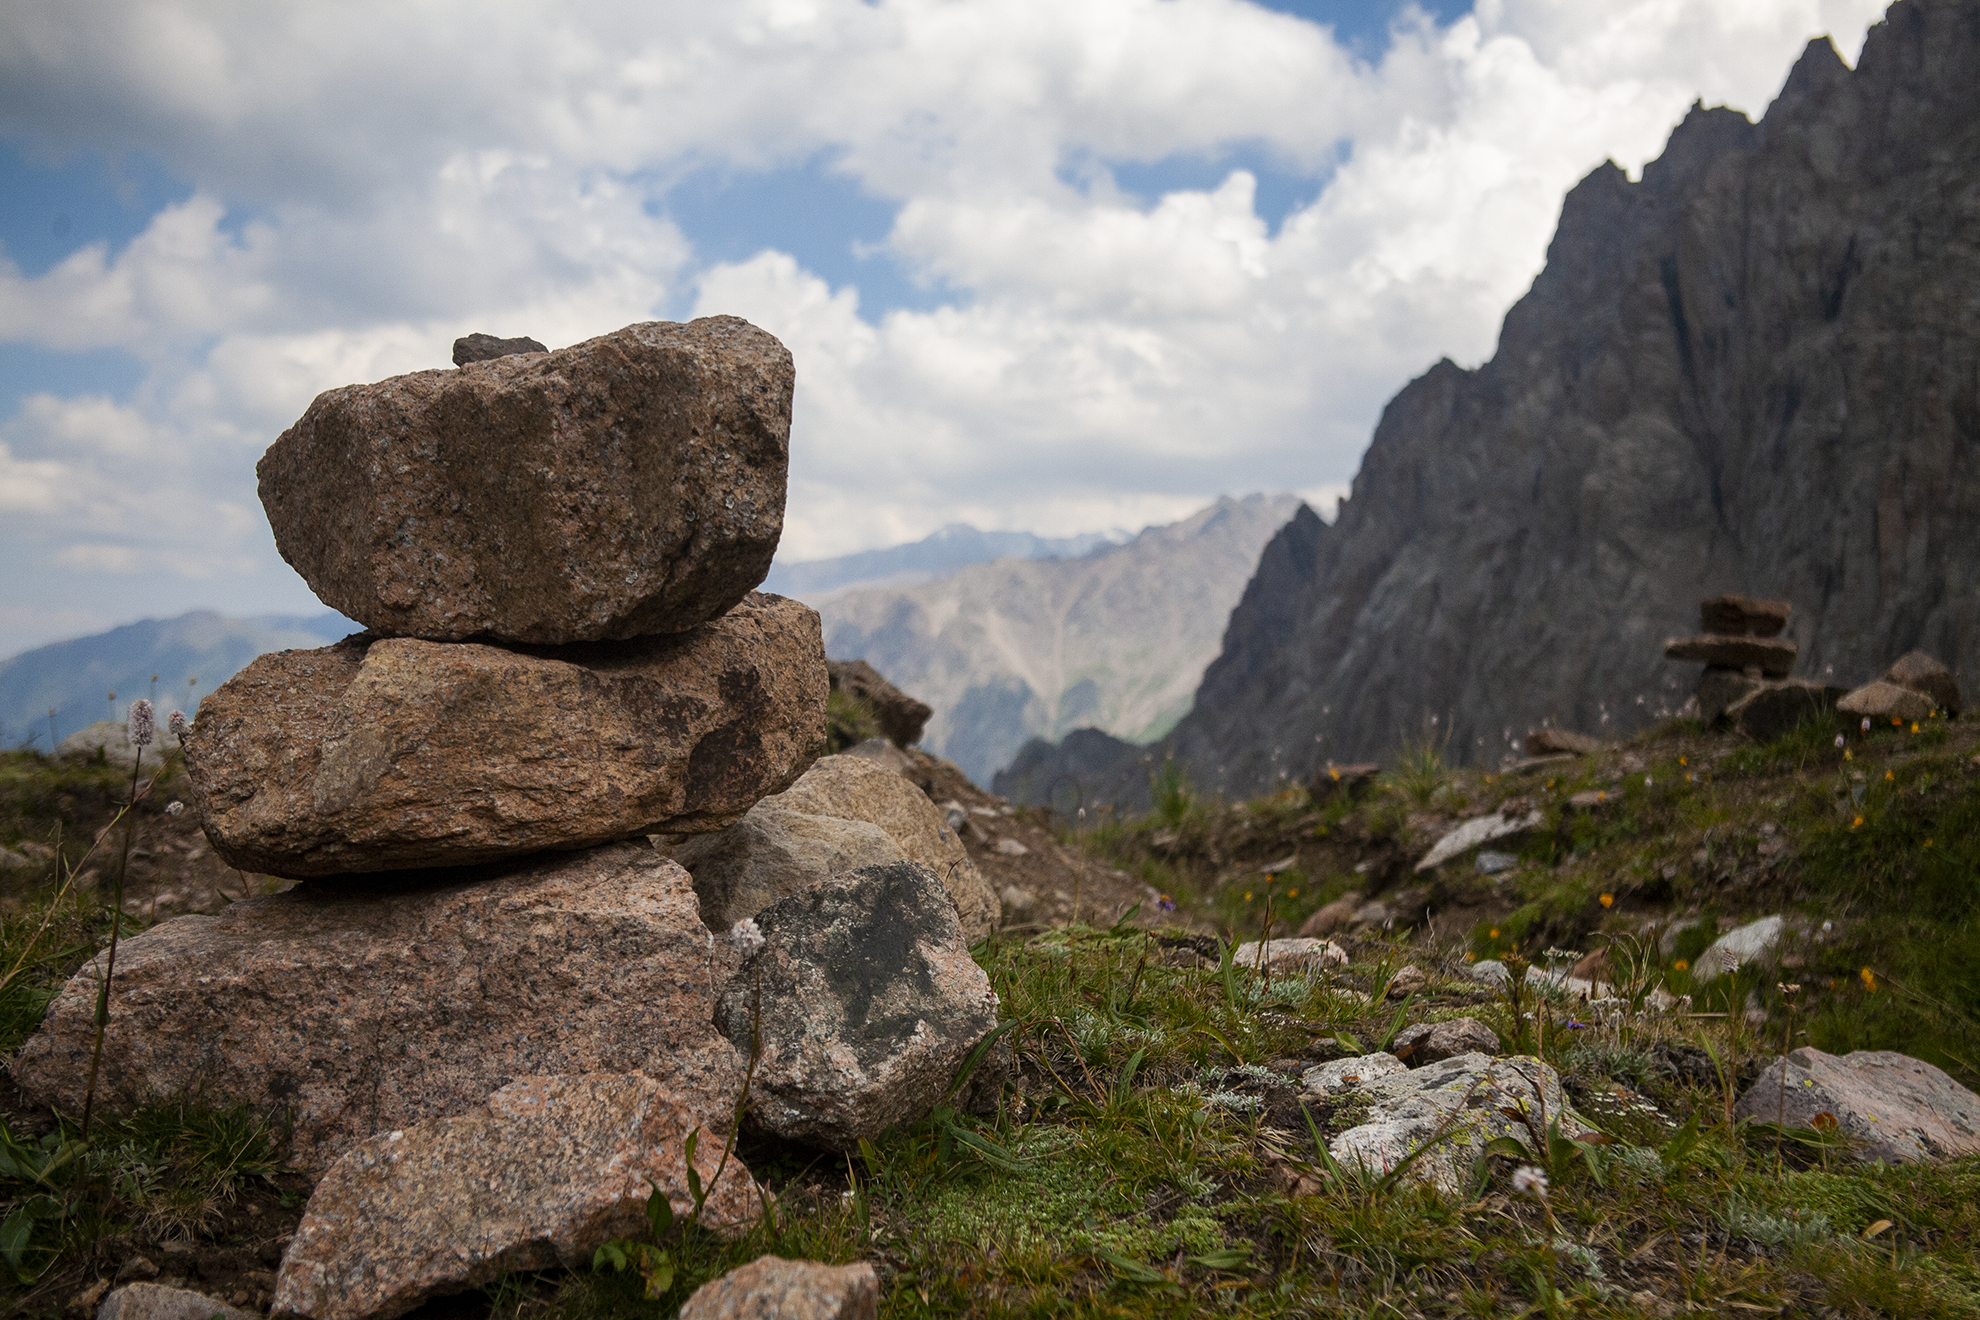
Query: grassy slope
{"type": "Point", "coordinates": [1151, 1156]}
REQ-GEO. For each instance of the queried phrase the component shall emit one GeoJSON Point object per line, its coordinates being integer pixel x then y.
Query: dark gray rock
{"type": "Point", "coordinates": [865, 1002]}
{"type": "Point", "coordinates": [1772, 709]}
{"type": "Point", "coordinates": [900, 716]}
{"type": "Point", "coordinates": [1719, 689]}
{"type": "Point", "coordinates": [1770, 655]}
{"type": "Point", "coordinates": [1667, 418]}
{"type": "Point", "coordinates": [1744, 616]}
{"type": "Point", "coordinates": [480, 348]}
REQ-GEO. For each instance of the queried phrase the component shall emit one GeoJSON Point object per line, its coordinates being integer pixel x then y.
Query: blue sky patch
{"type": "Point", "coordinates": [48, 210]}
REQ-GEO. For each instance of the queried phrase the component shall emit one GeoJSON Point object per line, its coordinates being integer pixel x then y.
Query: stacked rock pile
{"type": "Point", "coordinates": [494, 1010]}
{"type": "Point", "coordinates": [1746, 681]}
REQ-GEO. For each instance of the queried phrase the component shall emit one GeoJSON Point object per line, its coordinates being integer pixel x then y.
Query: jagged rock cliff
{"type": "Point", "coordinates": [1757, 370]}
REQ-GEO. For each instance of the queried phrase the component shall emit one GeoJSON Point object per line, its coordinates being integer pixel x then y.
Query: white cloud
{"type": "Point", "coordinates": [372, 179]}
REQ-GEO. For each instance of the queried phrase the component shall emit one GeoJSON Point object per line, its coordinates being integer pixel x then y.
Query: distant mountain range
{"type": "Point", "coordinates": [172, 661]}
{"type": "Point", "coordinates": [956, 546]}
{"type": "Point", "coordinates": [1021, 648]}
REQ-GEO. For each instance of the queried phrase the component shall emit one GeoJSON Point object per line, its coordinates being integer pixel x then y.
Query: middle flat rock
{"type": "Point", "coordinates": [378, 755]}
{"type": "Point", "coordinates": [340, 1013]}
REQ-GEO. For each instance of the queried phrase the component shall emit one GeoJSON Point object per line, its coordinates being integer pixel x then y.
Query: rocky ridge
{"type": "Point", "coordinates": [1753, 368]}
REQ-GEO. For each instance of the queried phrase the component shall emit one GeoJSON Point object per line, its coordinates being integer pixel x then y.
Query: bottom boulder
{"type": "Point", "coordinates": [862, 1002]}
{"type": "Point", "coordinates": [539, 1177]}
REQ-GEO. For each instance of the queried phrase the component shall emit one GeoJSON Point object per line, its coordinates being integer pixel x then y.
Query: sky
{"type": "Point", "coordinates": [1043, 266]}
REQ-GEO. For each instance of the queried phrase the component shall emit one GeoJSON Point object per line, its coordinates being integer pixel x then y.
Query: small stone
{"type": "Point", "coordinates": [1922, 673]}
{"type": "Point", "coordinates": [1754, 942]}
{"type": "Point", "coordinates": [483, 348]}
{"type": "Point", "coordinates": [383, 754]}
{"type": "Point", "coordinates": [1744, 616]}
{"type": "Point", "coordinates": [1489, 971]}
{"type": "Point", "coordinates": [883, 754]}
{"type": "Point", "coordinates": [1010, 848]}
{"type": "Point", "coordinates": [900, 716]}
{"type": "Point", "coordinates": [1894, 1108]}
{"type": "Point", "coordinates": [1593, 799]}
{"type": "Point", "coordinates": [1719, 688]}
{"type": "Point", "coordinates": [538, 1178]}
{"type": "Point", "coordinates": [1432, 1042]}
{"type": "Point", "coordinates": [863, 1001]}
{"type": "Point", "coordinates": [1491, 863]}
{"type": "Point", "coordinates": [772, 1288]}
{"type": "Point", "coordinates": [1344, 1073]}
{"type": "Point", "coordinates": [628, 485]}
{"type": "Point", "coordinates": [1018, 901]}
{"type": "Point", "coordinates": [1543, 742]}
{"type": "Point", "coordinates": [1883, 701]}
{"type": "Point", "coordinates": [1407, 981]}
{"type": "Point", "coordinates": [136, 1268]}
{"type": "Point", "coordinates": [1772, 709]}
{"type": "Point", "coordinates": [1283, 955]}
{"type": "Point", "coordinates": [1482, 829]}
{"type": "Point", "coordinates": [152, 1301]}
{"type": "Point", "coordinates": [1774, 657]}
{"type": "Point", "coordinates": [335, 1013]}
{"type": "Point", "coordinates": [1331, 917]}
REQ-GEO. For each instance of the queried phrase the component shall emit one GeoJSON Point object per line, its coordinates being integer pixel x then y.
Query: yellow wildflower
{"type": "Point", "coordinates": [1608, 900]}
{"type": "Point", "coordinates": [1869, 979]}
{"type": "Point", "coordinates": [1682, 965]}
{"type": "Point", "coordinates": [1853, 825]}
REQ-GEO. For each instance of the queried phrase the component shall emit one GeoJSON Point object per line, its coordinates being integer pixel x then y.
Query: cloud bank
{"type": "Point", "coordinates": [1079, 314]}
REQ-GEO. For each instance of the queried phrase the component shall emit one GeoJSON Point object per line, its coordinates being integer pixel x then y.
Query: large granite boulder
{"type": "Point", "coordinates": [631, 484]}
{"type": "Point", "coordinates": [537, 1178]}
{"type": "Point", "coordinates": [863, 1001]}
{"type": "Point", "coordinates": [772, 1288]}
{"type": "Point", "coordinates": [851, 787]}
{"type": "Point", "coordinates": [381, 754]}
{"type": "Point", "coordinates": [338, 1012]}
{"type": "Point", "coordinates": [1894, 1109]}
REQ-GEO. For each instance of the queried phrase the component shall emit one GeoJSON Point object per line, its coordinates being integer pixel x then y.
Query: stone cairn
{"type": "Point", "coordinates": [1747, 682]}
{"type": "Point", "coordinates": [491, 1014]}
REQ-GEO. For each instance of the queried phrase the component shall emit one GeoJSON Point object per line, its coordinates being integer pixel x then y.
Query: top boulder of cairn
{"type": "Point", "coordinates": [1743, 616]}
{"type": "Point", "coordinates": [629, 485]}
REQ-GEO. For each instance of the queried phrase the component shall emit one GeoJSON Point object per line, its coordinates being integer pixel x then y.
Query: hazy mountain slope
{"type": "Point", "coordinates": [953, 547]}
{"type": "Point", "coordinates": [73, 677]}
{"type": "Point", "coordinates": [1758, 369]}
{"type": "Point", "coordinates": [1015, 648]}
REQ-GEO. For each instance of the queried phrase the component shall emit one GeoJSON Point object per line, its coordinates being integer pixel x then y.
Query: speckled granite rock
{"type": "Point", "coordinates": [1433, 1042]}
{"type": "Point", "coordinates": [866, 1001]}
{"type": "Point", "coordinates": [155, 1301]}
{"type": "Point", "coordinates": [345, 1011]}
{"type": "Point", "coordinates": [376, 755]}
{"type": "Point", "coordinates": [1895, 1109]}
{"type": "Point", "coordinates": [631, 484]}
{"type": "Point", "coordinates": [537, 1178]}
{"type": "Point", "coordinates": [774, 852]}
{"type": "Point", "coordinates": [772, 1288]}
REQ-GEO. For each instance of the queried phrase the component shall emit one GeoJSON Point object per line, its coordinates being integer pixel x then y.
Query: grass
{"type": "Point", "coordinates": [1151, 1154]}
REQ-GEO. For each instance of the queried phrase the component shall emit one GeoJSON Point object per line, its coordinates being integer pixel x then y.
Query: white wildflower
{"type": "Point", "coordinates": [140, 725]}
{"type": "Point", "coordinates": [746, 936]}
{"type": "Point", "coordinates": [176, 722]}
{"type": "Point", "coordinates": [174, 807]}
{"type": "Point", "coordinates": [1530, 1182]}
{"type": "Point", "coordinates": [1839, 740]}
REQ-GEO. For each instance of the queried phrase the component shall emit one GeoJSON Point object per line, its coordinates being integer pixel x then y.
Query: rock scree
{"type": "Point", "coordinates": [627, 485]}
